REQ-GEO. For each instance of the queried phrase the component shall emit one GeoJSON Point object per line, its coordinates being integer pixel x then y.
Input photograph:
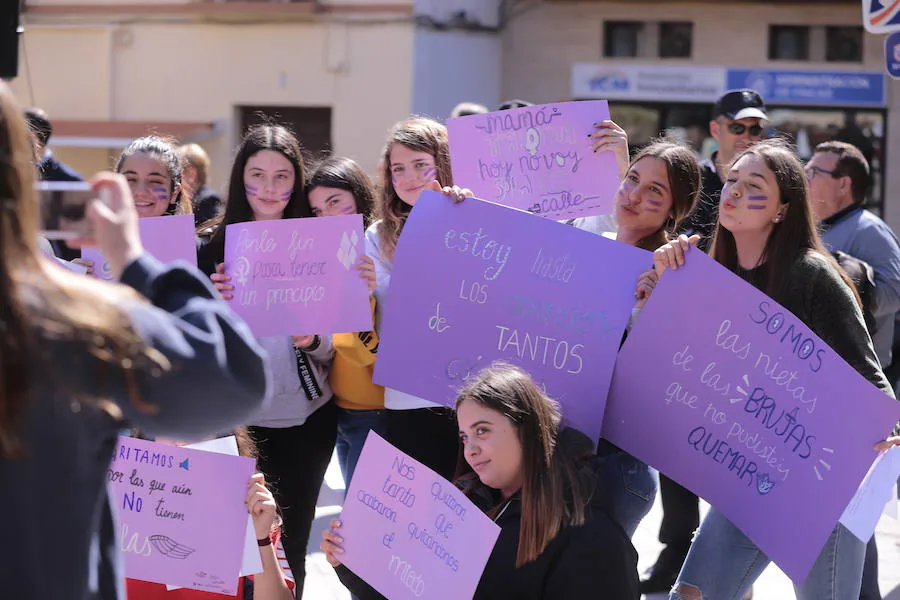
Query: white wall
{"type": "Point", "coordinates": [456, 66]}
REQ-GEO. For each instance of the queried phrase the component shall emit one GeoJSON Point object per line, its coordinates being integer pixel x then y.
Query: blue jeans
{"type": "Point", "coordinates": [723, 563]}
{"type": "Point", "coordinates": [629, 487]}
{"type": "Point", "coordinates": [352, 428]}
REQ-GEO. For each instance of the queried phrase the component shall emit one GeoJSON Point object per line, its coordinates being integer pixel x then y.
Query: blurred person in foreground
{"type": "Point", "coordinates": [80, 361]}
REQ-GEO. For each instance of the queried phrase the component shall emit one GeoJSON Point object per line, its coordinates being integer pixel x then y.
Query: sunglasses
{"type": "Point", "coordinates": [739, 128]}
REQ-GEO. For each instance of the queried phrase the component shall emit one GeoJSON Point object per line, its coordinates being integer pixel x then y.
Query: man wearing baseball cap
{"type": "Point", "coordinates": [736, 124]}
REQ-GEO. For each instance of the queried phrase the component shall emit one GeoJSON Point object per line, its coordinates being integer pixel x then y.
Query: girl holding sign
{"type": "Point", "coordinates": [766, 235]}
{"type": "Point", "coordinates": [536, 481]}
{"type": "Point", "coordinates": [416, 156]}
{"type": "Point", "coordinates": [658, 190]}
{"type": "Point", "coordinates": [295, 435]}
{"type": "Point", "coordinates": [339, 186]}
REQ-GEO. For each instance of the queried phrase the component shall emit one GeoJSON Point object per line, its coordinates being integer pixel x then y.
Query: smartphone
{"type": "Point", "coordinates": [63, 205]}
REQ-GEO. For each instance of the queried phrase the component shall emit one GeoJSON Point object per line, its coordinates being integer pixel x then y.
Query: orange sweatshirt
{"type": "Point", "coordinates": [351, 371]}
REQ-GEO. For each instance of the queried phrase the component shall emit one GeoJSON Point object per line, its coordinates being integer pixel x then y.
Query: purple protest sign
{"type": "Point", "coordinates": [536, 158]}
{"type": "Point", "coordinates": [737, 400]}
{"type": "Point", "coordinates": [182, 518]}
{"type": "Point", "coordinates": [477, 282]}
{"type": "Point", "coordinates": [408, 532]}
{"type": "Point", "coordinates": [298, 276]}
{"type": "Point", "coordinates": [168, 239]}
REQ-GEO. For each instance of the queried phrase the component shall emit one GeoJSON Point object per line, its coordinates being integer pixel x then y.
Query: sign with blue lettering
{"type": "Point", "coordinates": [822, 88]}
{"type": "Point", "coordinates": [892, 54]}
{"type": "Point", "coordinates": [881, 16]}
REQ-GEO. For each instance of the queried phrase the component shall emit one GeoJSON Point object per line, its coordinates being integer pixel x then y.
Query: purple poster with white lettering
{"type": "Point", "coordinates": [410, 533]}
{"type": "Point", "coordinates": [732, 396]}
{"type": "Point", "coordinates": [537, 158]}
{"type": "Point", "coordinates": [168, 239]}
{"type": "Point", "coordinates": [181, 513]}
{"type": "Point", "coordinates": [298, 276]}
{"type": "Point", "coordinates": [477, 282]}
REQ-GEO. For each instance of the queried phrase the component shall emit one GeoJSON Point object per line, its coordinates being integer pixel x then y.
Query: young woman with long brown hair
{"type": "Point", "coordinates": [416, 157]}
{"type": "Point", "coordinates": [82, 359]}
{"type": "Point", "coordinates": [766, 235]}
{"type": "Point", "coordinates": [535, 479]}
{"type": "Point", "coordinates": [659, 188]}
{"type": "Point", "coordinates": [295, 436]}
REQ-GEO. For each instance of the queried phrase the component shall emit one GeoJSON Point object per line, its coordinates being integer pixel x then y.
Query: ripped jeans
{"type": "Point", "coordinates": [723, 563]}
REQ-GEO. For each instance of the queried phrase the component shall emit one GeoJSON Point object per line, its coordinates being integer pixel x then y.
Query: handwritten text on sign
{"type": "Point", "coordinates": [408, 532]}
{"type": "Point", "coordinates": [742, 403]}
{"type": "Point", "coordinates": [476, 282]}
{"type": "Point", "coordinates": [181, 513]}
{"type": "Point", "coordinates": [536, 158]}
{"type": "Point", "coordinates": [168, 239]}
{"type": "Point", "coordinates": [298, 276]}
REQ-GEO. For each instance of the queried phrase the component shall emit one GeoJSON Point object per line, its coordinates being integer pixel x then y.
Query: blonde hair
{"type": "Point", "coordinates": [40, 302]}
{"type": "Point", "coordinates": [193, 155]}
{"type": "Point", "coordinates": [419, 134]}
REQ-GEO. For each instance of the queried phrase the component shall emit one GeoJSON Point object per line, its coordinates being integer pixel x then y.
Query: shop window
{"type": "Point", "coordinates": [844, 44]}
{"type": "Point", "coordinates": [620, 38]}
{"type": "Point", "coordinates": [675, 39]}
{"type": "Point", "coordinates": [788, 42]}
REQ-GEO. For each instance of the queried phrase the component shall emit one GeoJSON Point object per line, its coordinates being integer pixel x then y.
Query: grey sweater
{"type": "Point", "coordinates": [57, 526]}
{"type": "Point", "coordinates": [861, 234]}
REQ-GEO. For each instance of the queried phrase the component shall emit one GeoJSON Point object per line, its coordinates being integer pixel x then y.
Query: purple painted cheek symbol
{"type": "Point", "coordinates": [757, 199]}
{"type": "Point", "coordinates": [430, 173]}
{"type": "Point", "coordinates": [250, 190]}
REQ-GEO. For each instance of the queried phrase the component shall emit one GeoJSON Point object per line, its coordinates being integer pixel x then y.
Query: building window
{"type": "Point", "coordinates": [844, 44]}
{"type": "Point", "coordinates": [620, 38]}
{"type": "Point", "coordinates": [788, 42]}
{"type": "Point", "coordinates": [675, 39]}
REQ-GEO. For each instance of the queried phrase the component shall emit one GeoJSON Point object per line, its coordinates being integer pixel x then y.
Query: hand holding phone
{"type": "Point", "coordinates": [109, 222]}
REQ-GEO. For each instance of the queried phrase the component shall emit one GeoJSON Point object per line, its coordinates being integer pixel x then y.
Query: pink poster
{"type": "Point", "coordinates": [537, 158]}
{"type": "Point", "coordinates": [168, 239]}
{"type": "Point", "coordinates": [298, 276]}
{"type": "Point", "coordinates": [181, 513]}
{"type": "Point", "coordinates": [408, 532]}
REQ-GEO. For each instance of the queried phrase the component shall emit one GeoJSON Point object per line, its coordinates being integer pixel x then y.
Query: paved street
{"type": "Point", "coordinates": [773, 585]}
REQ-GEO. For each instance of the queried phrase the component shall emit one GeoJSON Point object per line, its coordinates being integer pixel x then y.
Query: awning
{"type": "Point", "coordinates": [118, 134]}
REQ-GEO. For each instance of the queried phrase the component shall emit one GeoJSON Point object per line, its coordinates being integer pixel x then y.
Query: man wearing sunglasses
{"type": "Point", "coordinates": [839, 180]}
{"type": "Point", "coordinates": [736, 124]}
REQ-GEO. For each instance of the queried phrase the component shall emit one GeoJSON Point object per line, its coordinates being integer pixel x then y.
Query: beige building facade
{"type": "Point", "coordinates": [107, 71]}
{"type": "Point", "coordinates": [561, 50]}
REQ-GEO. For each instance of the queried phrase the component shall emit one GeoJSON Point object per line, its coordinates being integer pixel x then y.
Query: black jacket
{"type": "Point", "coordinates": [51, 169]}
{"type": "Point", "coordinates": [705, 215]}
{"type": "Point", "coordinates": [593, 561]}
{"type": "Point", "coordinates": [206, 205]}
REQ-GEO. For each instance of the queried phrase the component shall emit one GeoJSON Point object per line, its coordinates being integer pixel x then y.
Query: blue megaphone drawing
{"type": "Point", "coordinates": [185, 464]}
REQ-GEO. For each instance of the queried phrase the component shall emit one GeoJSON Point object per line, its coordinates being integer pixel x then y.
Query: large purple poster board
{"type": "Point", "coordinates": [298, 276]}
{"type": "Point", "coordinates": [477, 282]}
{"type": "Point", "coordinates": [410, 533]}
{"type": "Point", "coordinates": [536, 158]}
{"type": "Point", "coordinates": [181, 513]}
{"type": "Point", "coordinates": [168, 239]}
{"type": "Point", "coordinates": [735, 398]}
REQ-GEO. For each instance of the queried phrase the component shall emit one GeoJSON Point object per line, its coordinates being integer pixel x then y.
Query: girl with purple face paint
{"type": "Point", "coordinates": [153, 171]}
{"type": "Point", "coordinates": [295, 435]}
{"type": "Point", "coordinates": [659, 188]}
{"type": "Point", "coordinates": [415, 157]}
{"type": "Point", "coordinates": [338, 186]}
{"type": "Point", "coordinates": [766, 235]}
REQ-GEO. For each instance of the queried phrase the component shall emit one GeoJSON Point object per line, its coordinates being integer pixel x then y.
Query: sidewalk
{"type": "Point", "coordinates": [321, 583]}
